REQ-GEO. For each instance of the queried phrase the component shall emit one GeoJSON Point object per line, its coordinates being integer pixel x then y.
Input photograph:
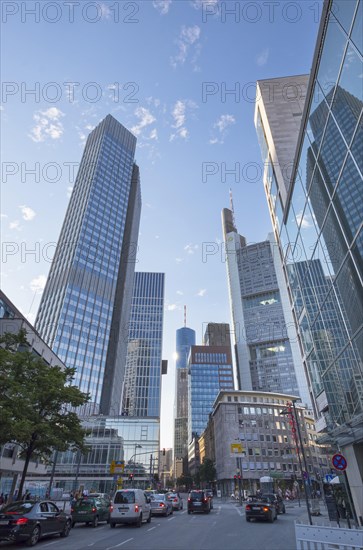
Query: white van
{"type": "Point", "coordinates": [130, 506]}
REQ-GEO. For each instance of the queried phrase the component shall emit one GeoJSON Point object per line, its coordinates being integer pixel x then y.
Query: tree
{"type": "Point", "coordinates": [207, 471]}
{"type": "Point", "coordinates": [35, 403]}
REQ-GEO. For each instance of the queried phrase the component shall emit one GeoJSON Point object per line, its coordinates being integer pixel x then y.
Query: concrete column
{"type": "Point", "coordinates": [355, 480]}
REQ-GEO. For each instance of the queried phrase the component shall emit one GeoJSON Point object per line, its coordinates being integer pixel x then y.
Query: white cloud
{"type": "Point", "coordinates": [222, 124]}
{"type": "Point", "coordinates": [191, 248]}
{"type": "Point", "coordinates": [178, 260]}
{"type": "Point", "coordinates": [157, 236]}
{"type": "Point", "coordinates": [305, 221]}
{"type": "Point", "coordinates": [4, 216]}
{"type": "Point", "coordinates": [179, 115]}
{"type": "Point", "coordinates": [105, 11]}
{"type": "Point", "coordinates": [15, 225]}
{"type": "Point", "coordinates": [262, 57]}
{"type": "Point", "coordinates": [38, 283]}
{"type": "Point", "coordinates": [187, 37]}
{"type": "Point", "coordinates": [27, 213]}
{"type": "Point", "coordinates": [202, 292]}
{"type": "Point", "coordinates": [180, 293]}
{"type": "Point", "coordinates": [48, 124]}
{"type": "Point", "coordinates": [162, 6]}
{"type": "Point", "coordinates": [171, 307]}
{"type": "Point", "coordinates": [145, 119]}
{"type": "Point", "coordinates": [153, 134]}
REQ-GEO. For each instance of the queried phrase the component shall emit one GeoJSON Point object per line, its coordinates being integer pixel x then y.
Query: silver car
{"type": "Point", "coordinates": [176, 501]}
{"type": "Point", "coordinates": [160, 505]}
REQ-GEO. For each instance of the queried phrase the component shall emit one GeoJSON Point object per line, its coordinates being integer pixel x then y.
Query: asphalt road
{"type": "Point", "coordinates": [224, 528]}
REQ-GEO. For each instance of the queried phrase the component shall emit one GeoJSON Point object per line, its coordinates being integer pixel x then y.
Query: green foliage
{"type": "Point", "coordinates": [207, 471]}
{"type": "Point", "coordinates": [35, 402]}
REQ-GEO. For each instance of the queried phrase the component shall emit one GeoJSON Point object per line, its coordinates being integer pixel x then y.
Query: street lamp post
{"type": "Point", "coordinates": [137, 446]}
{"type": "Point", "coordinates": [299, 443]}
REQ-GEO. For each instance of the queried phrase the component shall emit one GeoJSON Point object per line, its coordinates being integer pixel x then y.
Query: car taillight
{"type": "Point", "coordinates": [189, 499]}
{"type": "Point", "coordinates": [94, 509]}
{"type": "Point", "coordinates": [266, 509]}
{"type": "Point", "coordinates": [175, 500]}
{"type": "Point", "coordinates": [248, 507]}
{"type": "Point", "coordinates": [136, 507]}
{"type": "Point", "coordinates": [161, 504]}
{"type": "Point", "coordinates": [111, 508]}
{"type": "Point", "coordinates": [21, 521]}
{"type": "Point", "coordinates": [205, 500]}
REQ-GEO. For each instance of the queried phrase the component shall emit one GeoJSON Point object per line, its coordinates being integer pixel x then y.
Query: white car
{"type": "Point", "coordinates": [130, 506]}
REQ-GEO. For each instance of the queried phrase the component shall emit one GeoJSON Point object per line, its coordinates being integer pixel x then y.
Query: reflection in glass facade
{"type": "Point", "coordinates": [206, 379]}
{"type": "Point", "coordinates": [185, 338]}
{"type": "Point", "coordinates": [267, 354]}
{"type": "Point", "coordinates": [320, 230]}
{"type": "Point", "coordinates": [111, 438]}
{"type": "Point", "coordinates": [85, 306]}
{"type": "Point", "coordinates": [142, 386]}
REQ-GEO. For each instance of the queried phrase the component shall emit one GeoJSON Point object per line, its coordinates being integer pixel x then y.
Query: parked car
{"type": "Point", "coordinates": [130, 506]}
{"type": "Point", "coordinates": [31, 520]}
{"type": "Point", "coordinates": [209, 493]}
{"type": "Point", "coordinates": [160, 505]}
{"type": "Point", "coordinates": [176, 501]}
{"type": "Point", "coordinates": [90, 509]}
{"type": "Point", "coordinates": [198, 502]}
{"type": "Point", "coordinates": [277, 501]}
{"type": "Point", "coordinates": [258, 507]}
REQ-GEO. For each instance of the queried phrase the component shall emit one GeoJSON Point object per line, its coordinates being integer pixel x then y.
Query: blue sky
{"type": "Point", "coordinates": [161, 68]}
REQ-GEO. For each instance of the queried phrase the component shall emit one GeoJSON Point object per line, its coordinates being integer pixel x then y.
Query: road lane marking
{"type": "Point", "coordinates": [51, 543]}
{"type": "Point", "coordinates": [239, 511]}
{"type": "Point", "coordinates": [170, 519]}
{"type": "Point", "coordinates": [151, 528]}
{"type": "Point", "coordinates": [120, 544]}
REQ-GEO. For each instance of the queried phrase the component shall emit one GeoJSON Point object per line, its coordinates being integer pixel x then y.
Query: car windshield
{"type": "Point", "coordinates": [126, 497]}
{"type": "Point", "coordinates": [159, 498]}
{"type": "Point", "coordinates": [85, 502]}
{"type": "Point", "coordinates": [18, 508]}
{"type": "Point", "coordinates": [170, 496]}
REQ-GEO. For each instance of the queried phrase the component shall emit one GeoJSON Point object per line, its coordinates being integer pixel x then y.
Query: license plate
{"type": "Point", "coordinates": [4, 521]}
{"type": "Point", "coordinates": [123, 508]}
{"type": "Point", "coordinates": [197, 503]}
{"type": "Point", "coordinates": [255, 508]}
{"type": "Point", "coordinates": [83, 512]}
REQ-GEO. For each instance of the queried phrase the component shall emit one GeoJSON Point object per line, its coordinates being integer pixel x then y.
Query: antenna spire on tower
{"type": "Point", "coordinates": [231, 206]}
{"type": "Point", "coordinates": [185, 316]}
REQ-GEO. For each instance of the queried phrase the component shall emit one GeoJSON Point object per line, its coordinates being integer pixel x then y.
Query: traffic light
{"type": "Point", "coordinates": [235, 476]}
{"type": "Point", "coordinates": [239, 476]}
{"type": "Point", "coordinates": [131, 476]}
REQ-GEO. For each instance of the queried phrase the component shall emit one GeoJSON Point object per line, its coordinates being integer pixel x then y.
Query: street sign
{"type": "Point", "coordinates": [329, 477]}
{"type": "Point", "coordinates": [339, 462]}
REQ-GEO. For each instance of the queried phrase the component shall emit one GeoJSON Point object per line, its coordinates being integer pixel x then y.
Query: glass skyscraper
{"type": "Point", "coordinates": [210, 370]}
{"type": "Point", "coordinates": [142, 386]}
{"type": "Point", "coordinates": [317, 221]}
{"type": "Point", "coordinates": [84, 311]}
{"type": "Point", "coordinates": [185, 339]}
{"type": "Point", "coordinates": [268, 357]}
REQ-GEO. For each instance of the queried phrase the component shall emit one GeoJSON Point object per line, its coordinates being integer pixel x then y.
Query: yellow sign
{"type": "Point", "coordinates": [112, 467]}
{"type": "Point", "coordinates": [117, 466]}
{"type": "Point", "coordinates": [119, 483]}
{"type": "Point", "coordinates": [236, 448]}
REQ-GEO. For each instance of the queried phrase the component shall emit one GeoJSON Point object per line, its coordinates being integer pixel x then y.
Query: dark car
{"type": "Point", "coordinates": [277, 501]}
{"type": "Point", "coordinates": [30, 520]}
{"type": "Point", "coordinates": [209, 493]}
{"type": "Point", "coordinates": [198, 502]}
{"type": "Point", "coordinates": [258, 507]}
{"type": "Point", "coordinates": [90, 510]}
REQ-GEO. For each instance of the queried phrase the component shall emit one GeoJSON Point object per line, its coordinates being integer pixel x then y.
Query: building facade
{"type": "Point", "coordinates": [210, 370]}
{"type": "Point", "coordinates": [11, 465]}
{"type": "Point", "coordinates": [317, 220]}
{"type": "Point", "coordinates": [142, 384]}
{"type": "Point", "coordinates": [84, 311]}
{"type": "Point", "coordinates": [268, 356]}
{"type": "Point", "coordinates": [257, 421]}
{"type": "Point", "coordinates": [185, 338]}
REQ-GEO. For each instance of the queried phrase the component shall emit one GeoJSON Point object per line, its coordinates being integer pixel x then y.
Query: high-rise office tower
{"type": "Point", "coordinates": [318, 223]}
{"type": "Point", "coordinates": [85, 307]}
{"type": "Point", "coordinates": [268, 358]}
{"type": "Point", "coordinates": [185, 338]}
{"type": "Point", "coordinates": [210, 370]}
{"type": "Point", "coordinates": [217, 334]}
{"type": "Point", "coordinates": [142, 386]}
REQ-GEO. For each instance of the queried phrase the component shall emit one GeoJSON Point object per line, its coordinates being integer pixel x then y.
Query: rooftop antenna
{"type": "Point", "coordinates": [185, 316]}
{"type": "Point", "coordinates": [231, 206]}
